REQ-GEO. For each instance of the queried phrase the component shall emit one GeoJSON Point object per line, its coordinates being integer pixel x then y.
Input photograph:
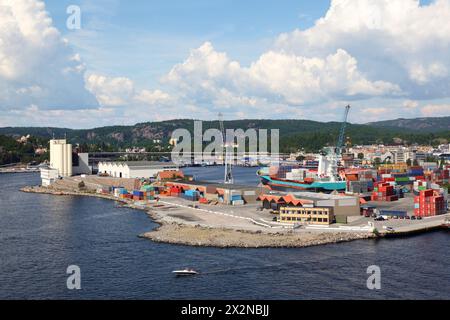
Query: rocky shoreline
{"type": "Point", "coordinates": [196, 235]}
{"type": "Point", "coordinates": [227, 238]}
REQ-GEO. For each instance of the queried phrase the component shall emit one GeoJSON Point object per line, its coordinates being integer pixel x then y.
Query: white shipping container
{"type": "Point", "coordinates": [348, 202]}
{"type": "Point", "coordinates": [435, 186]}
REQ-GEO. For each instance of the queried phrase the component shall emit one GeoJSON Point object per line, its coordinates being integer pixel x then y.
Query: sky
{"type": "Point", "coordinates": [136, 61]}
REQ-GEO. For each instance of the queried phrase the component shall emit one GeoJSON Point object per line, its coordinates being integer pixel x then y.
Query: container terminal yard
{"type": "Point", "coordinates": [391, 200]}
{"type": "Point", "coordinates": [313, 199]}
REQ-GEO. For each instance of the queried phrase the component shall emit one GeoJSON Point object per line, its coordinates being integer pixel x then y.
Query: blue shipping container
{"type": "Point", "coordinates": [393, 213]}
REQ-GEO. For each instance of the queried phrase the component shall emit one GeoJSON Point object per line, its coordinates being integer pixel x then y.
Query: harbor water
{"type": "Point", "coordinates": [41, 235]}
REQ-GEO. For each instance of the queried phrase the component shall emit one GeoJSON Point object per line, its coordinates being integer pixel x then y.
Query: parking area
{"type": "Point", "coordinates": [403, 204]}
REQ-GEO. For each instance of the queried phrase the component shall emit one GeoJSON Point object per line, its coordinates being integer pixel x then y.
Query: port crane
{"type": "Point", "coordinates": [340, 142]}
{"type": "Point", "coordinates": [337, 151]}
{"type": "Point", "coordinates": [229, 152]}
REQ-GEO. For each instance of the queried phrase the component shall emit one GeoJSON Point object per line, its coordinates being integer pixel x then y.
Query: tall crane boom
{"type": "Point", "coordinates": [335, 153]}
{"type": "Point", "coordinates": [340, 141]}
{"type": "Point", "coordinates": [228, 158]}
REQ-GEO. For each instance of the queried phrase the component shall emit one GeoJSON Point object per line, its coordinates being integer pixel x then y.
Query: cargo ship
{"type": "Point", "coordinates": [318, 176]}
{"type": "Point", "coordinates": [288, 178]}
{"type": "Point", "coordinates": [278, 184]}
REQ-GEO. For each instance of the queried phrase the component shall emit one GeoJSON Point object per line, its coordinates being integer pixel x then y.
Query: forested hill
{"type": "Point", "coordinates": [422, 124]}
{"type": "Point", "coordinates": [294, 134]}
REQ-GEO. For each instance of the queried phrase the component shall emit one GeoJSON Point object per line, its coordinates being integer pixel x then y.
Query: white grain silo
{"type": "Point", "coordinates": [61, 157]}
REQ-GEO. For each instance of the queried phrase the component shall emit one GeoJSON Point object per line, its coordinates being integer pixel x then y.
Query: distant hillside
{"type": "Point", "coordinates": [422, 124]}
{"type": "Point", "coordinates": [295, 134]}
{"type": "Point", "coordinates": [12, 151]}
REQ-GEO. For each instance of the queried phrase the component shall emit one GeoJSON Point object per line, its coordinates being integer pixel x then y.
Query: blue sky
{"type": "Point", "coordinates": [135, 61]}
{"type": "Point", "coordinates": [144, 39]}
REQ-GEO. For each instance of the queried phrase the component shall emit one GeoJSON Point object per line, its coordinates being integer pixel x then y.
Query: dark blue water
{"type": "Point", "coordinates": [40, 235]}
{"type": "Point", "coordinates": [241, 175]}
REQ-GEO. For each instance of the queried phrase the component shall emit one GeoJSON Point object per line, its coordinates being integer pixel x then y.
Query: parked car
{"type": "Point", "coordinates": [407, 217]}
{"type": "Point", "coordinates": [394, 217]}
{"type": "Point", "coordinates": [380, 218]}
{"type": "Point", "coordinates": [419, 218]}
{"type": "Point", "coordinates": [413, 217]}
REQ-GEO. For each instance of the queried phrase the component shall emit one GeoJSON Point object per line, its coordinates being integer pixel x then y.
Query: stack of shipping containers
{"type": "Point", "coordinates": [384, 192]}
{"type": "Point", "coordinates": [191, 195]}
{"type": "Point", "coordinates": [429, 203]}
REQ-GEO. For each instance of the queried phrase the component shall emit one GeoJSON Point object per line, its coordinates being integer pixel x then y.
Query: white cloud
{"type": "Point", "coordinates": [121, 92]}
{"type": "Point", "coordinates": [301, 80]}
{"type": "Point", "coordinates": [110, 92]}
{"type": "Point", "coordinates": [208, 76]}
{"type": "Point", "coordinates": [410, 104]}
{"type": "Point", "coordinates": [436, 110]}
{"type": "Point", "coordinates": [375, 111]}
{"type": "Point", "coordinates": [33, 115]}
{"type": "Point", "coordinates": [375, 54]}
{"type": "Point", "coordinates": [36, 65]}
{"type": "Point", "coordinates": [398, 41]}
{"type": "Point", "coordinates": [156, 97]}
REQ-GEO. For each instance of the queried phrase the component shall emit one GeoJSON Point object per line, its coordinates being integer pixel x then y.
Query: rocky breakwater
{"type": "Point", "coordinates": [228, 238]}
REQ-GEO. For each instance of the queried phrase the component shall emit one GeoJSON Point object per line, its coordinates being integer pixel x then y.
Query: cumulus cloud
{"type": "Point", "coordinates": [111, 92]}
{"type": "Point", "coordinates": [398, 41]}
{"type": "Point", "coordinates": [436, 110]}
{"type": "Point", "coordinates": [410, 104]}
{"type": "Point", "coordinates": [375, 111]}
{"type": "Point", "coordinates": [156, 97]}
{"type": "Point", "coordinates": [376, 53]}
{"type": "Point", "coordinates": [65, 118]}
{"type": "Point", "coordinates": [121, 92]}
{"type": "Point", "coordinates": [276, 77]}
{"type": "Point", "coordinates": [37, 66]}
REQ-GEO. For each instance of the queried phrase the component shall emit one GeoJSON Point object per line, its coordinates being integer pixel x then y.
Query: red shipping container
{"type": "Point", "coordinates": [426, 193]}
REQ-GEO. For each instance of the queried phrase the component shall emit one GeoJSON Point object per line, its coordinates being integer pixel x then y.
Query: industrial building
{"type": "Point", "coordinates": [61, 157]}
{"type": "Point", "coordinates": [321, 216]}
{"type": "Point", "coordinates": [135, 169]}
{"type": "Point", "coordinates": [64, 162]}
{"type": "Point", "coordinates": [48, 176]}
{"type": "Point", "coordinates": [223, 193]}
{"type": "Point", "coordinates": [80, 164]}
{"type": "Point", "coordinates": [342, 206]}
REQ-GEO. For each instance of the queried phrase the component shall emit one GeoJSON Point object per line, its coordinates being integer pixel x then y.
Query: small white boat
{"type": "Point", "coordinates": [185, 272]}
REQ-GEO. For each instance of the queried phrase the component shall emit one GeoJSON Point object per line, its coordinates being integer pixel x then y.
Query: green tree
{"type": "Point", "coordinates": [377, 161]}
